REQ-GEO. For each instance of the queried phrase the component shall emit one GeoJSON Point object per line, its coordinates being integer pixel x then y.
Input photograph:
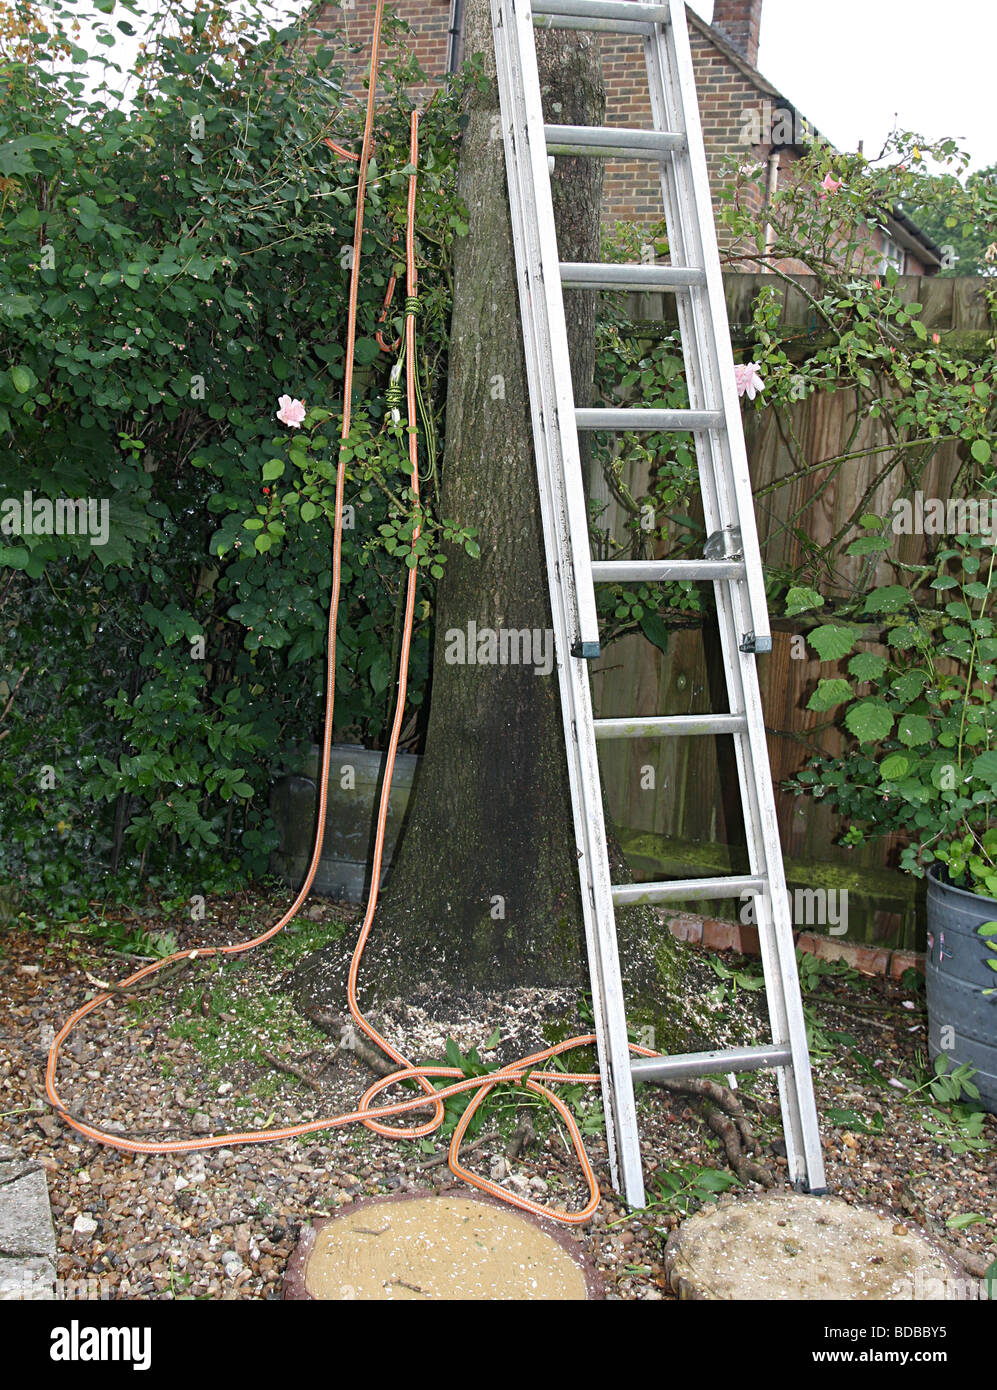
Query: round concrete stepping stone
{"type": "Point", "coordinates": [795, 1247]}
{"type": "Point", "coordinates": [455, 1246]}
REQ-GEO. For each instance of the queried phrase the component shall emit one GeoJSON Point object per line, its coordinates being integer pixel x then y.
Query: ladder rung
{"type": "Point", "coordinates": [583, 275]}
{"type": "Point", "coordinates": [734, 1059]}
{"type": "Point", "coordinates": [593, 26]}
{"type": "Point", "coordinates": [658, 571]}
{"type": "Point", "coordinates": [600, 140]}
{"type": "Point", "coordinates": [624, 10]}
{"type": "Point", "coordinates": [670, 726]}
{"type": "Point", "coordinates": [638, 419]}
{"type": "Point", "coordinates": [685, 889]}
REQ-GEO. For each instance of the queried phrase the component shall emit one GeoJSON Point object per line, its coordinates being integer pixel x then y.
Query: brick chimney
{"type": "Point", "coordinates": [740, 22]}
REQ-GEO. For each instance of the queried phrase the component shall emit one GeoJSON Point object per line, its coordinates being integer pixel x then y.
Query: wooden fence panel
{"type": "Point", "coordinates": [680, 795]}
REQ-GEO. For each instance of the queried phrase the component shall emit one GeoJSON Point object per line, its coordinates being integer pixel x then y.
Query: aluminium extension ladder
{"type": "Point", "coordinates": [731, 559]}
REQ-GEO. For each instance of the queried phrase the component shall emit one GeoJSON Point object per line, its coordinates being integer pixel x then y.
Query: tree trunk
{"type": "Point", "coordinates": [484, 889]}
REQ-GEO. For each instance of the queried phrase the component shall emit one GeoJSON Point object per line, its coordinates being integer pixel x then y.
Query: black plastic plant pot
{"type": "Point", "coordinates": [962, 1018]}
{"type": "Point", "coordinates": [354, 786]}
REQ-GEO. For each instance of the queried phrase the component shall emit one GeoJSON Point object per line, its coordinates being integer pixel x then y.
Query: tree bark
{"type": "Point", "coordinates": [484, 888]}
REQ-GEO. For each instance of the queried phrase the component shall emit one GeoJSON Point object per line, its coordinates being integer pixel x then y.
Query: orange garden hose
{"type": "Point", "coordinates": [346, 154]}
{"type": "Point", "coordinates": [519, 1073]}
{"type": "Point", "coordinates": [389, 293]}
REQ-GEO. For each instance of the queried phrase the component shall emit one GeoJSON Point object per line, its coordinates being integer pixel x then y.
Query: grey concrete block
{"type": "Point", "coordinates": [25, 1217]}
{"type": "Point", "coordinates": [30, 1279]}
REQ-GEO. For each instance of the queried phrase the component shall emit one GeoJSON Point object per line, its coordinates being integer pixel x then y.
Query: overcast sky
{"type": "Point", "coordinates": [857, 67]}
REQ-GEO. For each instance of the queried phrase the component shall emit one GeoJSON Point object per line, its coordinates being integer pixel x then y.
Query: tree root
{"type": "Point", "coordinates": [342, 1027]}
{"type": "Point", "coordinates": [725, 1115]}
{"type": "Point", "coordinates": [768, 1108]}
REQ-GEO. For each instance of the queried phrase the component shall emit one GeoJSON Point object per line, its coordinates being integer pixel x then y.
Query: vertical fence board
{"type": "Point", "coordinates": [686, 802]}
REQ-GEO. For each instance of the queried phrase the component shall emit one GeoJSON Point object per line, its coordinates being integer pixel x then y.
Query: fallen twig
{"type": "Point", "coordinates": [413, 1288]}
{"type": "Point", "coordinates": [437, 1159]}
{"type": "Point", "coordinates": [169, 972]}
{"type": "Point", "coordinates": [291, 1070]}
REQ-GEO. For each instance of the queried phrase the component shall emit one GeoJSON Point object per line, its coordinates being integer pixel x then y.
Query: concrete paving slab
{"type": "Point", "coordinates": [27, 1239]}
{"type": "Point", "coordinates": [794, 1247]}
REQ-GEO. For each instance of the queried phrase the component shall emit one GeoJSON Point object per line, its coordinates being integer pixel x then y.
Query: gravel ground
{"type": "Point", "coordinates": [217, 1048]}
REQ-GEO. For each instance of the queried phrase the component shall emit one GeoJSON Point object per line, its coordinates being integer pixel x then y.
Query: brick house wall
{"type": "Point", "coordinates": [733, 94]}
{"type": "Point", "coordinates": [352, 22]}
{"type": "Point", "coordinates": [632, 190]}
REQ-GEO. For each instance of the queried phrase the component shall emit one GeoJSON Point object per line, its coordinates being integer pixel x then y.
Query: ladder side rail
{"type": "Point", "coordinates": [556, 398]}
{"type": "Point", "coordinates": [670, 69]}
{"type": "Point", "coordinates": [772, 907]}
{"type": "Point", "coordinates": [512, 55]}
{"type": "Point", "coordinates": [553, 514]}
{"type": "Point", "coordinates": [575, 549]}
{"type": "Point", "coordinates": [684, 250]}
{"type": "Point", "coordinates": [669, 59]}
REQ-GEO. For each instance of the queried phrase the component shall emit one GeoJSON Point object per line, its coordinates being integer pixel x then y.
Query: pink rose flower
{"type": "Point", "coordinates": [748, 379]}
{"type": "Point", "coordinates": [830, 185]}
{"type": "Point", "coordinates": [291, 412]}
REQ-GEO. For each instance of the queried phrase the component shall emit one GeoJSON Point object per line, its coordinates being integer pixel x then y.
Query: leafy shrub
{"type": "Point", "coordinates": [171, 265]}
{"type": "Point", "coordinates": [922, 719]}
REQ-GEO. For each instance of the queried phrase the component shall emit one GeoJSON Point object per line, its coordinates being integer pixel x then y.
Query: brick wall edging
{"type": "Point", "coordinates": [716, 935]}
